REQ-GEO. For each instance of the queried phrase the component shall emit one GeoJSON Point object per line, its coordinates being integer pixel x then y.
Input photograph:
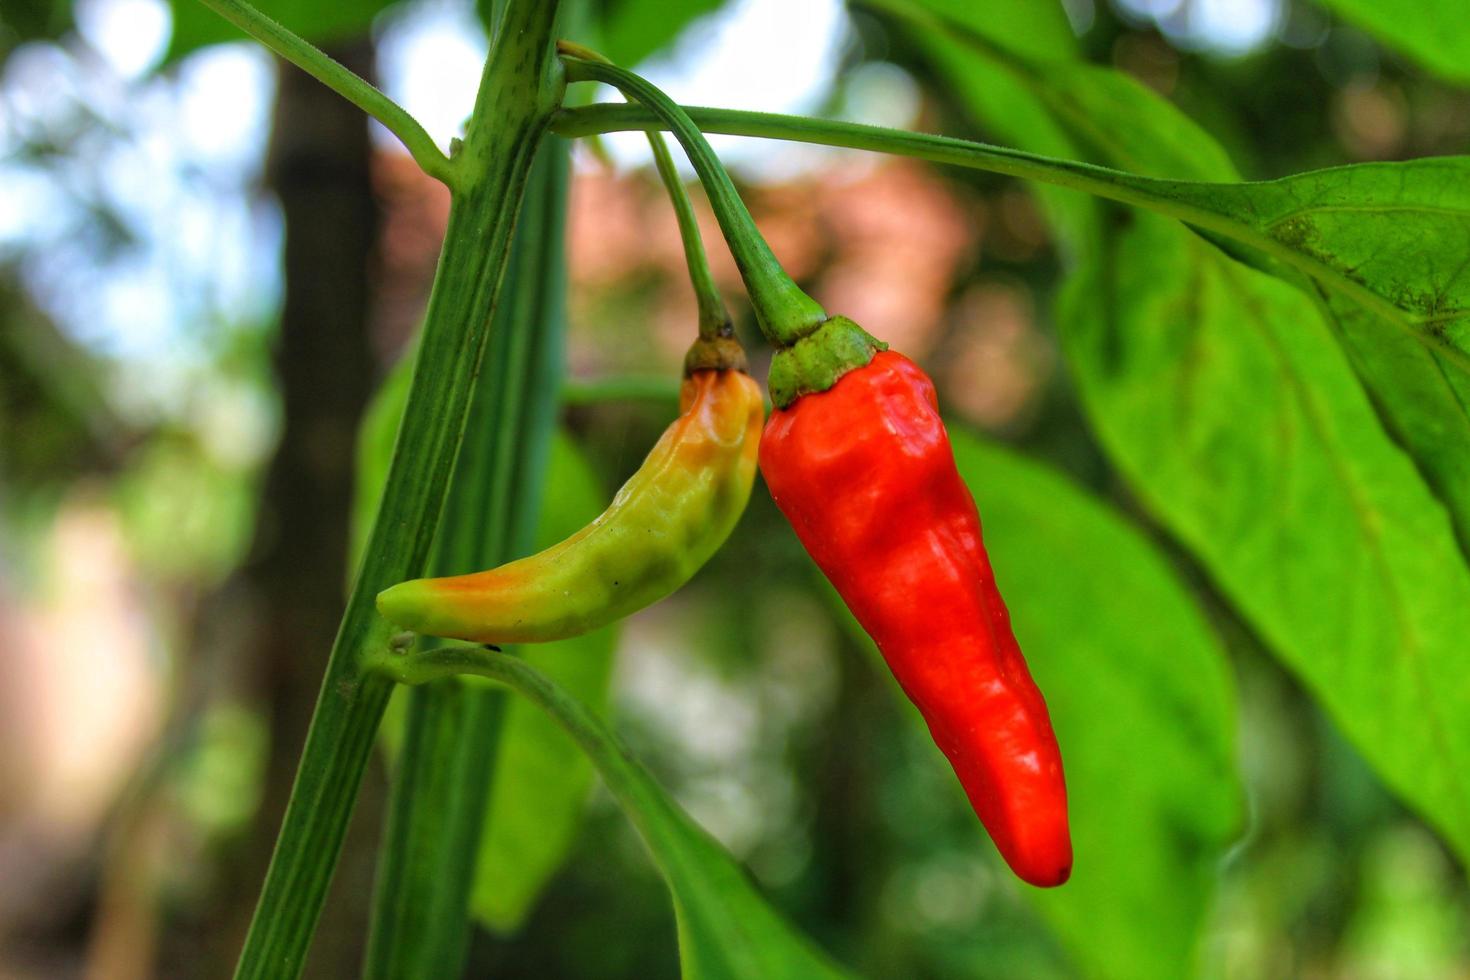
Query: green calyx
{"type": "Point", "coordinates": [817, 360]}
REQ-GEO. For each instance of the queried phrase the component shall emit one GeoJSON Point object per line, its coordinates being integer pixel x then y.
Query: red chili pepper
{"type": "Point", "coordinates": [865, 474]}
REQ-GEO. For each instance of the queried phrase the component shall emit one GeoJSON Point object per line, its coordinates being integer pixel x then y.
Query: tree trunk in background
{"type": "Point", "coordinates": [319, 169]}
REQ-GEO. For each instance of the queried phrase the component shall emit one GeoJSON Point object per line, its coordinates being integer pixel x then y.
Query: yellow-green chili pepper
{"type": "Point", "coordinates": [662, 526]}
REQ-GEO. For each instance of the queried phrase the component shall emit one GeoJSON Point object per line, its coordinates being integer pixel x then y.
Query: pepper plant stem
{"type": "Point", "coordinates": [351, 86]}
{"type": "Point", "coordinates": [442, 781]}
{"type": "Point", "coordinates": [1162, 196]}
{"type": "Point", "coordinates": [714, 319]}
{"type": "Point", "coordinates": [518, 92]}
{"type": "Point", "coordinates": [620, 772]}
{"type": "Point", "coordinates": [785, 312]}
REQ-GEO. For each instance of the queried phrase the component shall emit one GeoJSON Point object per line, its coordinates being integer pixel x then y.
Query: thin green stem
{"type": "Point", "coordinates": [1175, 198]}
{"type": "Point", "coordinates": [610, 117]}
{"type": "Point", "coordinates": [442, 784]}
{"type": "Point", "coordinates": [714, 319]}
{"type": "Point", "coordinates": [518, 94]}
{"type": "Point", "coordinates": [786, 313]}
{"type": "Point", "coordinates": [351, 86]}
{"type": "Point", "coordinates": [621, 773]}
{"type": "Point", "coordinates": [1147, 192]}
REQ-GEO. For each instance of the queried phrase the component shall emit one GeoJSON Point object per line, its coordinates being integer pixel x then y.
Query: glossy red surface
{"type": "Point", "coordinates": [866, 476]}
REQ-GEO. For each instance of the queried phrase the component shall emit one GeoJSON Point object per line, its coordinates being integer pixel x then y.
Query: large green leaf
{"type": "Point", "coordinates": [541, 778]}
{"type": "Point", "coordinates": [1389, 246]}
{"type": "Point", "coordinates": [319, 21]}
{"type": "Point", "coordinates": [1143, 707]}
{"type": "Point", "coordinates": [1422, 397]}
{"type": "Point", "coordinates": [1369, 232]}
{"type": "Point", "coordinates": [634, 29]}
{"type": "Point", "coordinates": [1386, 249]}
{"type": "Point", "coordinates": [1030, 46]}
{"type": "Point", "coordinates": [1435, 33]}
{"type": "Point", "coordinates": [1002, 103]}
{"type": "Point", "coordinates": [727, 931]}
{"type": "Point", "coordinates": [1220, 393]}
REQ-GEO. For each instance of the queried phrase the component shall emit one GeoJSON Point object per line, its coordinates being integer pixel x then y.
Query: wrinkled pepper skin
{"type": "Point", "coordinates": [865, 474]}
{"type": "Point", "coordinates": [662, 526]}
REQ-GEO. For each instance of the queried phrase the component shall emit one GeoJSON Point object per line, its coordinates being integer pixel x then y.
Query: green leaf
{"type": "Point", "coordinates": [542, 780]}
{"type": "Point", "coordinates": [1220, 393]}
{"type": "Point", "coordinates": [1422, 398]}
{"type": "Point", "coordinates": [1002, 103]}
{"type": "Point", "coordinates": [1023, 28]}
{"type": "Point", "coordinates": [1031, 47]}
{"type": "Point", "coordinates": [318, 21]}
{"type": "Point", "coordinates": [727, 931]}
{"type": "Point", "coordinates": [1434, 33]}
{"type": "Point", "coordinates": [1395, 232]}
{"type": "Point", "coordinates": [1143, 706]}
{"type": "Point", "coordinates": [634, 29]}
{"type": "Point", "coordinates": [1388, 244]}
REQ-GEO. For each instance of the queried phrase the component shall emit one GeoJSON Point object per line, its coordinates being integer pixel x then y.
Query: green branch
{"type": "Point", "coordinates": [517, 97]}
{"type": "Point", "coordinates": [1174, 198]}
{"type": "Point", "coordinates": [441, 785]}
{"type": "Point", "coordinates": [352, 87]}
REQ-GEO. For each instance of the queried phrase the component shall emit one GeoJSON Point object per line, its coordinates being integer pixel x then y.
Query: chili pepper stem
{"type": "Point", "coordinates": [716, 348]}
{"type": "Point", "coordinates": [714, 319]}
{"type": "Point", "coordinates": [785, 312]}
{"type": "Point", "coordinates": [812, 350]}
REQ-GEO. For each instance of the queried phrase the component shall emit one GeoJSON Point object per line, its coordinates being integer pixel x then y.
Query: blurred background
{"type": "Point", "coordinates": [207, 264]}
